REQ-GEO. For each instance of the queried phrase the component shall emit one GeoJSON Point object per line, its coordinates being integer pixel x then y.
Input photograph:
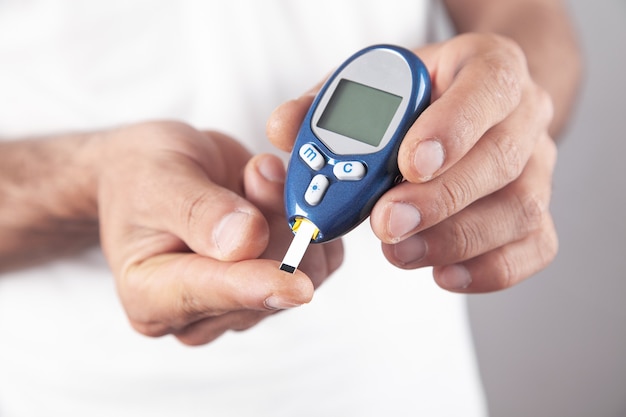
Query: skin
{"type": "Point", "coordinates": [192, 224]}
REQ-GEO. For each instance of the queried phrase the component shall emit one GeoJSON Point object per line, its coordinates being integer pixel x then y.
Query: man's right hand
{"type": "Point", "coordinates": [191, 225]}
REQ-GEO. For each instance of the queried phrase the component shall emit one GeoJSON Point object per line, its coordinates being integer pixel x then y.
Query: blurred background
{"type": "Point", "coordinates": [555, 346]}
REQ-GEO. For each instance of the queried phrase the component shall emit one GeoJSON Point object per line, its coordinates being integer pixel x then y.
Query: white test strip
{"type": "Point", "coordinates": [305, 232]}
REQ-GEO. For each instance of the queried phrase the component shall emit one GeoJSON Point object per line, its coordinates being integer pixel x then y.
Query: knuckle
{"type": "Point", "coordinates": [165, 126]}
{"type": "Point", "coordinates": [550, 151]}
{"type": "Point", "coordinates": [191, 340]}
{"type": "Point", "coordinates": [141, 316]}
{"type": "Point", "coordinates": [506, 270]}
{"type": "Point", "coordinates": [187, 306]}
{"type": "Point", "coordinates": [510, 269]}
{"type": "Point", "coordinates": [145, 314]}
{"type": "Point", "coordinates": [247, 321]}
{"type": "Point", "coordinates": [198, 338]}
{"type": "Point", "coordinates": [548, 246]}
{"type": "Point", "coordinates": [504, 82]}
{"type": "Point", "coordinates": [544, 104]}
{"type": "Point", "coordinates": [513, 50]}
{"type": "Point", "coordinates": [159, 130]}
{"type": "Point", "coordinates": [507, 158]}
{"type": "Point", "coordinates": [466, 239]}
{"type": "Point", "coordinates": [147, 322]}
{"type": "Point", "coordinates": [192, 210]}
{"type": "Point", "coordinates": [196, 207]}
{"type": "Point", "coordinates": [149, 328]}
{"type": "Point", "coordinates": [456, 192]}
{"type": "Point", "coordinates": [533, 210]}
{"type": "Point", "coordinates": [469, 121]}
{"type": "Point", "coordinates": [505, 47]}
{"type": "Point", "coordinates": [546, 151]}
{"type": "Point", "coordinates": [504, 66]}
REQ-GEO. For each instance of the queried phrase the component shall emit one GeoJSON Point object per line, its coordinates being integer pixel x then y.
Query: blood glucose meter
{"type": "Point", "coordinates": [345, 154]}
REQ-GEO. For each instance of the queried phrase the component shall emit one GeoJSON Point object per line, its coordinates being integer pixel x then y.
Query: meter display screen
{"type": "Point", "coordinates": [359, 112]}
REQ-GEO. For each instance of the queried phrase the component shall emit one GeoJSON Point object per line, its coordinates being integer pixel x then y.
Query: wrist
{"type": "Point", "coordinates": [52, 178]}
{"type": "Point", "coordinates": [47, 195]}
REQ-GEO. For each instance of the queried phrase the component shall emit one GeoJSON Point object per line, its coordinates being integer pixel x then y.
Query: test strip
{"type": "Point", "coordinates": [305, 232]}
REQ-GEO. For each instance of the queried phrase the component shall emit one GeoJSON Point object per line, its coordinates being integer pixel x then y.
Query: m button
{"type": "Point", "coordinates": [312, 156]}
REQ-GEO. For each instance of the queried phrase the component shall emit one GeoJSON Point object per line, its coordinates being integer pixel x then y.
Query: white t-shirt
{"type": "Point", "coordinates": [375, 340]}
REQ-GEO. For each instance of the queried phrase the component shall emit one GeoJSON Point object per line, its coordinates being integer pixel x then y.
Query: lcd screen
{"type": "Point", "coordinates": [359, 112]}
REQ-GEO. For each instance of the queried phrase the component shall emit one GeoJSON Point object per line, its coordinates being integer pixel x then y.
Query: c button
{"type": "Point", "coordinates": [349, 170]}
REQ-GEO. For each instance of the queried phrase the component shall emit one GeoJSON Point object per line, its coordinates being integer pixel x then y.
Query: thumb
{"type": "Point", "coordinates": [180, 190]}
{"type": "Point", "coordinates": [168, 292]}
{"type": "Point", "coordinates": [214, 221]}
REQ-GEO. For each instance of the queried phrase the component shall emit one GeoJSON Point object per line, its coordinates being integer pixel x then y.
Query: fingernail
{"type": "Point", "coordinates": [403, 218]}
{"type": "Point", "coordinates": [428, 158]}
{"type": "Point", "coordinates": [410, 250]}
{"type": "Point", "coordinates": [228, 234]}
{"type": "Point", "coordinates": [274, 302]}
{"type": "Point", "coordinates": [455, 277]}
{"type": "Point", "coordinates": [272, 170]}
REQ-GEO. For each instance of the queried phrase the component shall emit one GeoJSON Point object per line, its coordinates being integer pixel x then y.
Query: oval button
{"type": "Point", "coordinates": [349, 170]}
{"type": "Point", "coordinates": [316, 189]}
{"type": "Point", "coordinates": [312, 156]}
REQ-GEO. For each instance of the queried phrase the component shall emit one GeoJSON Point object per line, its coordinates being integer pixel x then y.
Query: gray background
{"type": "Point", "coordinates": [555, 345]}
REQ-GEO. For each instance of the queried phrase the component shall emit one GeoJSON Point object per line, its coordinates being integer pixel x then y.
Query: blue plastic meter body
{"type": "Point", "coordinates": [345, 155]}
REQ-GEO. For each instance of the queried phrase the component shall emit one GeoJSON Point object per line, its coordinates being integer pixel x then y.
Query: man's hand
{"type": "Point", "coordinates": [193, 228]}
{"type": "Point", "coordinates": [478, 166]}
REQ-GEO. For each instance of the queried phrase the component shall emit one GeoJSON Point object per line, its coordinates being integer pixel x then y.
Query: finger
{"type": "Point", "coordinates": [477, 81]}
{"type": "Point", "coordinates": [321, 260]}
{"type": "Point", "coordinates": [503, 217]}
{"type": "Point", "coordinates": [504, 266]}
{"type": "Point", "coordinates": [495, 161]}
{"type": "Point", "coordinates": [284, 122]}
{"type": "Point", "coordinates": [168, 292]}
{"type": "Point", "coordinates": [264, 183]}
{"type": "Point", "coordinates": [207, 330]}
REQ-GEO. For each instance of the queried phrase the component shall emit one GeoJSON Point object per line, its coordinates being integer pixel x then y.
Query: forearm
{"type": "Point", "coordinates": [544, 31]}
{"type": "Point", "coordinates": [47, 198]}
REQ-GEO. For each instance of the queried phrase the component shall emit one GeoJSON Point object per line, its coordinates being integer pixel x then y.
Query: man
{"type": "Point", "coordinates": [191, 224]}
